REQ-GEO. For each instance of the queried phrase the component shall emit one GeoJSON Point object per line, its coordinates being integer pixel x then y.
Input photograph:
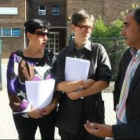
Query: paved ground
{"type": "Point", "coordinates": [7, 128]}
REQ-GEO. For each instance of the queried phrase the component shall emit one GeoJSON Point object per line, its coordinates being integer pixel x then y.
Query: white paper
{"type": "Point", "coordinates": [40, 93]}
{"type": "Point", "coordinates": [76, 69]}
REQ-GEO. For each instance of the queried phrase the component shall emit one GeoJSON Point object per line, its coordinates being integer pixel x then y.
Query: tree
{"type": "Point", "coordinates": [110, 31]}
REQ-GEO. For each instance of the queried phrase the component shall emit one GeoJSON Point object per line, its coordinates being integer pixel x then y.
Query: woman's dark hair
{"type": "Point", "coordinates": [33, 24]}
{"type": "Point", "coordinates": [80, 16]}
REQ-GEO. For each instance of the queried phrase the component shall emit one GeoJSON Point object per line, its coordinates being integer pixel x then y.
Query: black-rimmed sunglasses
{"type": "Point", "coordinates": [84, 27]}
{"type": "Point", "coordinates": [41, 34]}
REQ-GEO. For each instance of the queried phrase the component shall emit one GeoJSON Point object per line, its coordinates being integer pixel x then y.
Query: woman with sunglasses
{"type": "Point", "coordinates": [81, 99]}
{"type": "Point", "coordinates": [34, 63]}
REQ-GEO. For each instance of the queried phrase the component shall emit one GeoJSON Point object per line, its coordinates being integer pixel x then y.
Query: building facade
{"type": "Point", "coordinates": [109, 10]}
{"type": "Point", "coordinates": [53, 11]}
{"type": "Point", "coordinates": [13, 14]}
{"type": "Point", "coordinates": [12, 17]}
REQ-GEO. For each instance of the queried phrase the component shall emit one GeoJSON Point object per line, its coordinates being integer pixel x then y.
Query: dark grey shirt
{"type": "Point", "coordinates": [100, 68]}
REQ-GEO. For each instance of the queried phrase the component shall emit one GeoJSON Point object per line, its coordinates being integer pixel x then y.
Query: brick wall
{"type": "Point", "coordinates": [108, 9]}
{"type": "Point", "coordinates": [54, 20]}
{"type": "Point", "coordinates": [10, 44]}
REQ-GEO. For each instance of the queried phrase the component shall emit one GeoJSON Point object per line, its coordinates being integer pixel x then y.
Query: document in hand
{"type": "Point", "coordinates": [40, 93]}
{"type": "Point", "coordinates": [76, 69]}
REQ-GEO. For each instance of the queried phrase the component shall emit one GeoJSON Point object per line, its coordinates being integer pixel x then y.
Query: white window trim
{"type": "Point", "coordinates": [11, 35]}
{"type": "Point", "coordinates": [54, 44]}
{"type": "Point", "coordinates": [39, 10]}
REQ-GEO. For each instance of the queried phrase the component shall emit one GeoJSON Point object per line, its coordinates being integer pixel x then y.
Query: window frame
{"type": "Point", "coordinates": [55, 12]}
{"type": "Point", "coordinates": [53, 42]}
{"type": "Point", "coordinates": [10, 33]}
{"type": "Point", "coordinates": [39, 10]}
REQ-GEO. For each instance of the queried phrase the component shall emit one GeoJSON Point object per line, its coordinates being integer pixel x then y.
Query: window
{"type": "Point", "coordinates": [53, 42]}
{"type": "Point", "coordinates": [56, 10]}
{"type": "Point", "coordinates": [16, 32]}
{"type": "Point", "coordinates": [42, 10]}
{"type": "Point", "coordinates": [6, 32]}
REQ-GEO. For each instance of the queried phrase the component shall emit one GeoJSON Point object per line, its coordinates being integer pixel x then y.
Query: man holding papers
{"type": "Point", "coordinates": [83, 71]}
{"type": "Point", "coordinates": [30, 84]}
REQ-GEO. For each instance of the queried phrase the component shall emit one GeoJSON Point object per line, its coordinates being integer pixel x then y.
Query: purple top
{"type": "Point", "coordinates": [42, 69]}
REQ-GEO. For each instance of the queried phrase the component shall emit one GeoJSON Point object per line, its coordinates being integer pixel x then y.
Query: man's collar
{"type": "Point", "coordinates": [87, 45]}
{"type": "Point", "coordinates": [135, 52]}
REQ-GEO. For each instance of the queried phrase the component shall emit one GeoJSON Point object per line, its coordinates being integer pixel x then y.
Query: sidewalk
{"type": "Point", "coordinates": [7, 128]}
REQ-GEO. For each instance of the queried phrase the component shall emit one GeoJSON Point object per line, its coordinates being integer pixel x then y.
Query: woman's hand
{"type": "Point", "coordinates": [87, 83]}
{"type": "Point", "coordinates": [48, 109]}
{"type": "Point", "coordinates": [77, 94]}
{"type": "Point", "coordinates": [74, 95]}
{"type": "Point", "coordinates": [35, 113]}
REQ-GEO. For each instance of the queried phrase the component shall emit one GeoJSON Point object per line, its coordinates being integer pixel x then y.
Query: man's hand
{"type": "Point", "coordinates": [100, 130]}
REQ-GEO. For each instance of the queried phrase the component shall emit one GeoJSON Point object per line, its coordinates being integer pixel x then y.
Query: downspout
{"type": "Point", "coordinates": [25, 45]}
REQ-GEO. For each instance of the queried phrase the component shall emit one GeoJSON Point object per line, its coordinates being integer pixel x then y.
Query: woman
{"type": "Point", "coordinates": [81, 99]}
{"type": "Point", "coordinates": [35, 64]}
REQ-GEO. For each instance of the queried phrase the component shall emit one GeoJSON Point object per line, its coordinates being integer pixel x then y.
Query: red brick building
{"type": "Point", "coordinates": [12, 17]}
{"type": "Point", "coordinates": [13, 14]}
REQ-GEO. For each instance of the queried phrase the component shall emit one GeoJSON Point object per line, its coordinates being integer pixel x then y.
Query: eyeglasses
{"type": "Point", "coordinates": [41, 34]}
{"type": "Point", "coordinates": [84, 27]}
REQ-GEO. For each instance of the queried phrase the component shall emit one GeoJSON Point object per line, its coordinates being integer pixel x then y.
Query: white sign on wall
{"type": "Point", "coordinates": [8, 10]}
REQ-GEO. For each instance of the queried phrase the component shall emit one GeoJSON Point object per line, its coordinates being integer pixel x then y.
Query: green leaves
{"type": "Point", "coordinates": [100, 28]}
{"type": "Point", "coordinates": [112, 30]}
{"type": "Point", "coordinates": [115, 28]}
{"type": "Point", "coordinates": [103, 30]}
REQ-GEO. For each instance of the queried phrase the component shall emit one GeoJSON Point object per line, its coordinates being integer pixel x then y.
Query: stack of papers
{"type": "Point", "coordinates": [76, 69]}
{"type": "Point", "coordinates": [40, 93]}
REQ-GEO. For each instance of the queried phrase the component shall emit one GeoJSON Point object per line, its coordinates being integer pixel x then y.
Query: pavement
{"type": "Point", "coordinates": [7, 127]}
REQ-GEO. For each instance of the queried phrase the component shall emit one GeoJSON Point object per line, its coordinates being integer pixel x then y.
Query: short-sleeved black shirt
{"type": "Point", "coordinates": [100, 68]}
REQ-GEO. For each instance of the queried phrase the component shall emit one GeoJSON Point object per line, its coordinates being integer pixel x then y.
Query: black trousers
{"type": "Point", "coordinates": [67, 136]}
{"type": "Point", "coordinates": [26, 127]}
{"type": "Point", "coordinates": [84, 136]}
